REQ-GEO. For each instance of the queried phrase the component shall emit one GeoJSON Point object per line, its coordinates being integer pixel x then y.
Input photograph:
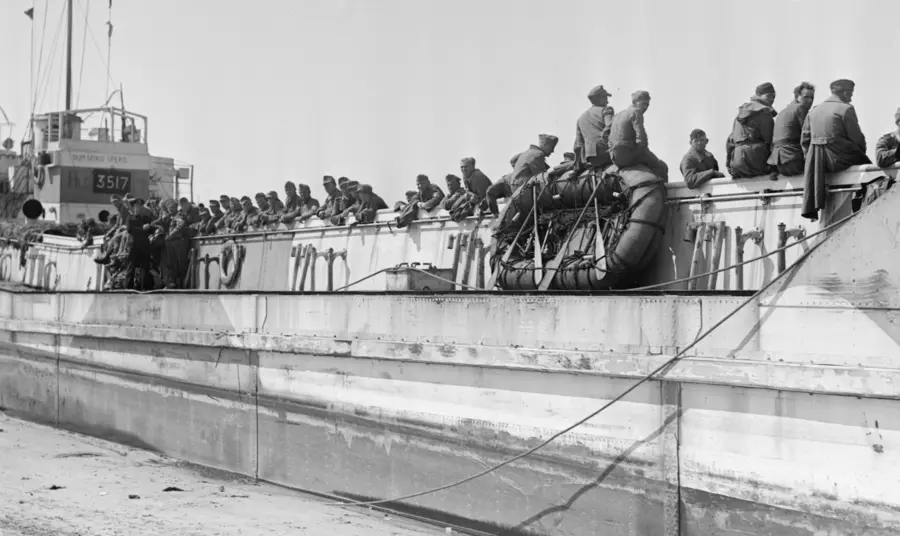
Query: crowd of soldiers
{"type": "Point", "coordinates": [147, 244]}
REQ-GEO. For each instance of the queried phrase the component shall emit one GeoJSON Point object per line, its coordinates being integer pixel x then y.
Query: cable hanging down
{"type": "Point", "coordinates": [668, 363]}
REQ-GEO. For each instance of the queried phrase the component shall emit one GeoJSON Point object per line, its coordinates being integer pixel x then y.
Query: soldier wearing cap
{"type": "Point", "coordinates": [369, 204]}
{"type": "Point", "coordinates": [592, 130]}
{"type": "Point", "coordinates": [333, 207]}
{"type": "Point", "coordinates": [351, 199]}
{"type": "Point", "coordinates": [454, 191]}
{"type": "Point", "coordinates": [178, 228]}
{"type": "Point", "coordinates": [273, 209]}
{"type": "Point", "coordinates": [749, 145]}
{"type": "Point", "coordinates": [887, 150]}
{"type": "Point", "coordinates": [628, 143]}
{"type": "Point", "coordinates": [832, 141]}
{"type": "Point", "coordinates": [135, 248]}
{"type": "Point", "coordinates": [787, 155]}
{"type": "Point", "coordinates": [203, 227]}
{"type": "Point", "coordinates": [428, 195]}
{"type": "Point", "coordinates": [233, 215]}
{"type": "Point", "coordinates": [299, 206]}
{"type": "Point", "coordinates": [459, 203]}
{"type": "Point", "coordinates": [473, 179]}
{"type": "Point", "coordinates": [699, 165]}
{"type": "Point", "coordinates": [216, 215]}
{"type": "Point", "coordinates": [249, 217]}
{"type": "Point", "coordinates": [400, 205]}
{"type": "Point", "coordinates": [527, 164]}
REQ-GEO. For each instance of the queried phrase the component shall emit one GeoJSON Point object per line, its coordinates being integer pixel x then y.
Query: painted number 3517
{"type": "Point", "coordinates": [111, 182]}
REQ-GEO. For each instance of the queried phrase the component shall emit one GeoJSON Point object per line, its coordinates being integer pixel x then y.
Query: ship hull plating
{"type": "Point", "coordinates": [378, 396]}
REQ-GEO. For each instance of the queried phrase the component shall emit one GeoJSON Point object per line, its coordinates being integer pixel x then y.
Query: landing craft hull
{"type": "Point", "coordinates": [782, 421]}
{"type": "Point", "coordinates": [381, 396]}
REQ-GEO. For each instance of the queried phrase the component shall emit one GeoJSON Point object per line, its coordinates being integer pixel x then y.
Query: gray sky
{"type": "Point", "coordinates": [255, 93]}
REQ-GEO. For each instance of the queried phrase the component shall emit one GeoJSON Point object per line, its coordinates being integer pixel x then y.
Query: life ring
{"type": "Point", "coordinates": [634, 198]}
{"type": "Point", "coordinates": [231, 250]}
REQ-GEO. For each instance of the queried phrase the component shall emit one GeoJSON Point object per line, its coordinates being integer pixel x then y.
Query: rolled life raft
{"type": "Point", "coordinates": [630, 210]}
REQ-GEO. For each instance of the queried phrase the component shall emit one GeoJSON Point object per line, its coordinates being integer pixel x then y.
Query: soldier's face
{"type": "Point", "coordinates": [806, 98]}
{"type": "Point", "coordinates": [768, 98]}
{"type": "Point", "coordinates": [453, 186]}
{"type": "Point", "coordinates": [700, 144]}
{"type": "Point", "coordinates": [467, 168]}
{"type": "Point", "coordinates": [642, 105]}
{"type": "Point", "coordinates": [225, 202]}
{"type": "Point", "coordinates": [290, 190]}
{"type": "Point", "coordinates": [600, 101]}
{"type": "Point", "coordinates": [247, 205]}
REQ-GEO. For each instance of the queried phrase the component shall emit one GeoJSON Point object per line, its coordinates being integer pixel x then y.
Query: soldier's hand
{"type": "Point", "coordinates": [718, 175]}
{"type": "Point", "coordinates": [420, 204]}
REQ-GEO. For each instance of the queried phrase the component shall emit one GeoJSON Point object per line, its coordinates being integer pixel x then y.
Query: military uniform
{"type": "Point", "coordinates": [698, 168]}
{"type": "Point", "coordinates": [331, 210]}
{"type": "Point", "coordinates": [368, 209]}
{"type": "Point", "coordinates": [628, 143]}
{"type": "Point", "coordinates": [887, 150]}
{"type": "Point", "coordinates": [749, 145]}
{"type": "Point", "coordinates": [592, 130]}
{"type": "Point", "coordinates": [787, 155]}
{"type": "Point", "coordinates": [832, 141]}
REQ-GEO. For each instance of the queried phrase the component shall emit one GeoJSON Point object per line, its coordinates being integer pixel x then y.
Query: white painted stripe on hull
{"type": "Point", "coordinates": [524, 415]}
{"type": "Point", "coordinates": [811, 377]}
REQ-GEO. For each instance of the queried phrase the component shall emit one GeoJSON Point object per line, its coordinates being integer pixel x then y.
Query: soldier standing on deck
{"type": "Point", "coordinates": [832, 141]}
{"type": "Point", "coordinates": [699, 166]}
{"type": "Point", "coordinates": [749, 145]}
{"type": "Point", "coordinates": [628, 143]}
{"type": "Point", "coordinates": [787, 155]}
{"type": "Point", "coordinates": [887, 150]}
{"type": "Point", "coordinates": [592, 131]}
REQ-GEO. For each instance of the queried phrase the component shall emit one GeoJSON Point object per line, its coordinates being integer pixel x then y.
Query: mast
{"type": "Point", "coordinates": [69, 59]}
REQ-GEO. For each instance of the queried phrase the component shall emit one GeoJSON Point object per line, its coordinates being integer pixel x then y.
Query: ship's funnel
{"type": "Point", "coordinates": [32, 209]}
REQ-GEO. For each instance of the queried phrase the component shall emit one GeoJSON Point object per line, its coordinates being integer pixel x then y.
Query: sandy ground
{"type": "Point", "coordinates": [107, 489]}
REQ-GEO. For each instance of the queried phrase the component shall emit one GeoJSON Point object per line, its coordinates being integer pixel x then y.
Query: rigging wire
{"type": "Point", "coordinates": [87, 9]}
{"type": "Point", "coordinates": [40, 55]}
{"type": "Point", "coordinates": [90, 32]}
{"type": "Point", "coordinates": [44, 86]}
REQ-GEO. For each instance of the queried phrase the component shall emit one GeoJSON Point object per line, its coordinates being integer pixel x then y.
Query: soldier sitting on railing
{"type": "Point", "coordinates": [473, 179]}
{"type": "Point", "coordinates": [887, 150]}
{"type": "Point", "coordinates": [369, 204]}
{"type": "Point", "coordinates": [526, 165]}
{"type": "Point", "coordinates": [299, 207]}
{"type": "Point", "coordinates": [699, 166]}
{"type": "Point", "coordinates": [400, 205]}
{"type": "Point", "coordinates": [334, 204]}
{"type": "Point", "coordinates": [428, 197]}
{"type": "Point", "coordinates": [459, 203]}
{"type": "Point", "coordinates": [351, 200]}
{"type": "Point", "coordinates": [344, 184]}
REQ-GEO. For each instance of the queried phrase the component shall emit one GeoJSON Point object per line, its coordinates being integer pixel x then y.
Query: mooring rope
{"type": "Point", "coordinates": [669, 362]}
